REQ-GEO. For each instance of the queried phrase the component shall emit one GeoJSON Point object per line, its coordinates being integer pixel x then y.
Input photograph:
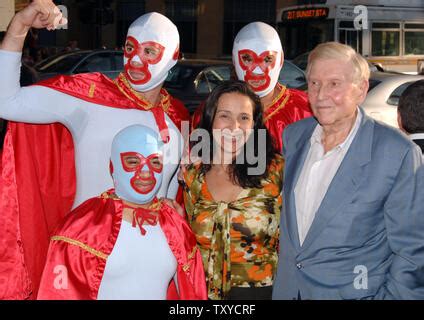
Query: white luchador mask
{"type": "Point", "coordinates": [151, 50]}
{"type": "Point", "coordinates": [258, 57]}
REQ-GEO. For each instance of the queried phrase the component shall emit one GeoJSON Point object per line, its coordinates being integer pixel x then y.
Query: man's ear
{"type": "Point", "coordinates": [399, 121]}
{"type": "Point", "coordinates": [363, 90]}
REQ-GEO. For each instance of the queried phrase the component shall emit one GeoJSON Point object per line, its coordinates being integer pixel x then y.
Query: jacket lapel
{"type": "Point", "coordinates": [347, 179]}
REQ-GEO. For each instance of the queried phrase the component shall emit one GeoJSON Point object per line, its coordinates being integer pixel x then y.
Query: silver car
{"type": "Point", "coordinates": [384, 93]}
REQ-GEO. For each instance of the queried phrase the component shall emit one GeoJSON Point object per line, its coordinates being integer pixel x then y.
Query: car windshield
{"type": "Point", "coordinates": [373, 84]}
{"type": "Point", "coordinates": [395, 96]}
{"type": "Point", "coordinates": [178, 76]}
{"type": "Point", "coordinates": [59, 64]}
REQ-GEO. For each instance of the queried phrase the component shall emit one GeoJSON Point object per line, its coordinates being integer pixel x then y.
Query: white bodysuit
{"type": "Point", "coordinates": [139, 267]}
{"type": "Point", "coordinates": [92, 127]}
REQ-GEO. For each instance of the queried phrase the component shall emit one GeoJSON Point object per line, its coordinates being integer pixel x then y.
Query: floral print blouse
{"type": "Point", "coordinates": [238, 240]}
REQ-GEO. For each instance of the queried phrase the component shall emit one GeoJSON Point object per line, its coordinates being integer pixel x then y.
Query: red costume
{"type": "Point", "coordinates": [289, 106]}
{"type": "Point", "coordinates": [37, 183]}
{"type": "Point", "coordinates": [87, 236]}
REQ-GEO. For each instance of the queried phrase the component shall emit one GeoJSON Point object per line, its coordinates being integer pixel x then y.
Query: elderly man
{"type": "Point", "coordinates": [38, 185]}
{"type": "Point", "coordinates": [348, 230]}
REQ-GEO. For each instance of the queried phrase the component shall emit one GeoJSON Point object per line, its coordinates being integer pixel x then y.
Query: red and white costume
{"type": "Point", "coordinates": [85, 240]}
{"type": "Point", "coordinates": [47, 169]}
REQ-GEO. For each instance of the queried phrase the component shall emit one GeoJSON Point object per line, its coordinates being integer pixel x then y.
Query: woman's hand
{"type": "Point", "coordinates": [174, 204]}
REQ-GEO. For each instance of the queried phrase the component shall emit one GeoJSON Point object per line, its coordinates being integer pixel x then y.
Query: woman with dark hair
{"type": "Point", "coordinates": [234, 210]}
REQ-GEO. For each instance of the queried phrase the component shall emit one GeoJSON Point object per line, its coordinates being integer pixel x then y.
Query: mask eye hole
{"type": "Point", "coordinates": [246, 58]}
{"type": "Point", "coordinates": [131, 161]}
{"type": "Point", "coordinates": [129, 47]}
{"type": "Point", "coordinates": [151, 52]}
{"type": "Point", "coordinates": [156, 163]}
{"type": "Point", "coordinates": [269, 59]}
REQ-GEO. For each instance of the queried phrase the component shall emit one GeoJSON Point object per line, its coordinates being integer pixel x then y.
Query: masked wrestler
{"type": "Point", "coordinates": [127, 243]}
{"type": "Point", "coordinates": [258, 58]}
{"type": "Point", "coordinates": [47, 171]}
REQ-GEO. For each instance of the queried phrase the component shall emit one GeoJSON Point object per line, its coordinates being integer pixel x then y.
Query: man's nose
{"type": "Point", "coordinates": [258, 70]}
{"type": "Point", "coordinates": [144, 172]}
{"type": "Point", "coordinates": [322, 92]}
{"type": "Point", "coordinates": [136, 61]}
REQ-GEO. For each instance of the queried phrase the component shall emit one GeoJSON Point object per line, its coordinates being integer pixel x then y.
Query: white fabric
{"type": "Point", "coordinates": [258, 37]}
{"type": "Point", "coordinates": [92, 127]}
{"type": "Point", "coordinates": [139, 267]}
{"type": "Point", "coordinates": [158, 28]}
{"type": "Point", "coordinates": [317, 173]}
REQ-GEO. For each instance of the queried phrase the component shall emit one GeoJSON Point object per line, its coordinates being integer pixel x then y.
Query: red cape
{"type": "Point", "coordinates": [37, 183]}
{"type": "Point", "coordinates": [86, 238]}
{"type": "Point", "coordinates": [289, 106]}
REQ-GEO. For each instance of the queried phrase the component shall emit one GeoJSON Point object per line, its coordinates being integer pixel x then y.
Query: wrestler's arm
{"type": "Point", "coordinates": [33, 104]}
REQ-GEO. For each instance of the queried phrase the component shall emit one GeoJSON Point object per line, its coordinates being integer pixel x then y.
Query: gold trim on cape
{"type": "Point", "coordinates": [83, 246]}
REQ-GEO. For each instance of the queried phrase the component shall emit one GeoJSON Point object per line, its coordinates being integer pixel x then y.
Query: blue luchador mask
{"type": "Point", "coordinates": [137, 164]}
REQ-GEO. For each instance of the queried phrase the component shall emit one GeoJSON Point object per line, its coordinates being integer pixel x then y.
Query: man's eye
{"type": "Point", "coordinates": [156, 162]}
{"type": "Point", "coordinates": [269, 59]}
{"type": "Point", "coordinates": [246, 58]}
{"type": "Point", "coordinates": [132, 161]}
{"type": "Point", "coordinates": [129, 49]}
{"type": "Point", "coordinates": [150, 51]}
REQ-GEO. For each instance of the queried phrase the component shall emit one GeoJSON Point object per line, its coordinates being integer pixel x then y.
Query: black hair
{"type": "Point", "coordinates": [239, 170]}
{"type": "Point", "coordinates": [411, 108]}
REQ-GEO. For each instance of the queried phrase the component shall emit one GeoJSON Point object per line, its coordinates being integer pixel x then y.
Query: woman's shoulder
{"type": "Point", "coordinates": [191, 173]}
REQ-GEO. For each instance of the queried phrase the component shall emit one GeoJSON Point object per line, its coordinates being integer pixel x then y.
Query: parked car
{"type": "Point", "coordinates": [191, 80]}
{"type": "Point", "coordinates": [108, 62]}
{"type": "Point", "coordinates": [384, 93]}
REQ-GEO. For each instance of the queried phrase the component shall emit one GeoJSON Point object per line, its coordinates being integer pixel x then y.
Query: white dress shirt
{"type": "Point", "coordinates": [317, 173]}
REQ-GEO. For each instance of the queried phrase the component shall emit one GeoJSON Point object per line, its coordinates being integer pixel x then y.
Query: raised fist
{"type": "Point", "coordinates": [41, 14]}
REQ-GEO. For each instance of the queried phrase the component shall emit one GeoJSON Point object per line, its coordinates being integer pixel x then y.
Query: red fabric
{"type": "Point", "coordinates": [96, 224]}
{"type": "Point", "coordinates": [290, 107]}
{"type": "Point", "coordinates": [38, 168]}
{"type": "Point", "coordinates": [37, 183]}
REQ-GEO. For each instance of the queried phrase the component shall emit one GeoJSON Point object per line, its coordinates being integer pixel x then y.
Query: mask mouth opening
{"type": "Point", "coordinates": [143, 185]}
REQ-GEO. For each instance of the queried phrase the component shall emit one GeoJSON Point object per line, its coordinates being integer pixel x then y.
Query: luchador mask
{"type": "Point", "coordinates": [258, 57]}
{"type": "Point", "coordinates": [151, 50]}
{"type": "Point", "coordinates": [136, 164]}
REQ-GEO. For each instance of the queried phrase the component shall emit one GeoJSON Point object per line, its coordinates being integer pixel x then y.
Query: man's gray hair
{"type": "Point", "coordinates": [335, 50]}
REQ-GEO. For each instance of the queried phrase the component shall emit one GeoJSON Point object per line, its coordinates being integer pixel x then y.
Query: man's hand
{"type": "Point", "coordinates": [41, 14]}
{"type": "Point", "coordinates": [38, 14]}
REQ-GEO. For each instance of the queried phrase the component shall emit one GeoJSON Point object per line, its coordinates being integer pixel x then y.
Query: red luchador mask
{"type": "Point", "coordinates": [257, 68]}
